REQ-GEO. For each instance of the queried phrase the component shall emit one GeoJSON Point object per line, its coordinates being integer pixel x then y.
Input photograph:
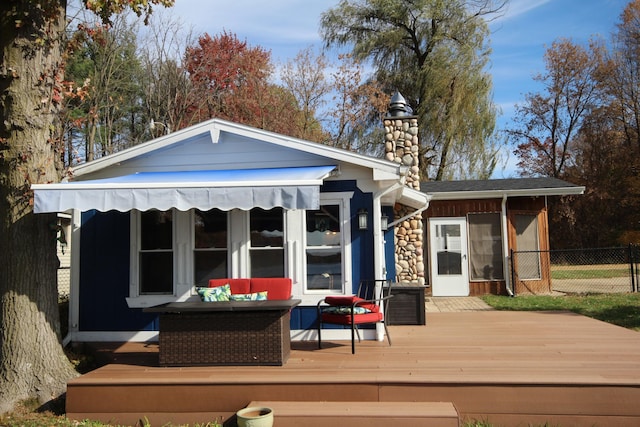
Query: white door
{"type": "Point", "coordinates": [449, 264]}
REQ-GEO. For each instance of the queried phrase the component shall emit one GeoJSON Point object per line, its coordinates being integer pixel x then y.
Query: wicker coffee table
{"type": "Point", "coordinates": [224, 333]}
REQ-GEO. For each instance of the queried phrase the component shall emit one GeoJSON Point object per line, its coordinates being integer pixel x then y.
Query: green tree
{"type": "Point", "coordinates": [32, 361]}
{"type": "Point", "coordinates": [435, 53]}
{"type": "Point", "coordinates": [105, 57]}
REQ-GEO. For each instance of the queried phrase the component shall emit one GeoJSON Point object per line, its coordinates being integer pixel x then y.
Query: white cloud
{"type": "Point", "coordinates": [515, 8]}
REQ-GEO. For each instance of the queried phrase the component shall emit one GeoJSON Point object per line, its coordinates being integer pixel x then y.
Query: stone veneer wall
{"type": "Point", "coordinates": [401, 146]}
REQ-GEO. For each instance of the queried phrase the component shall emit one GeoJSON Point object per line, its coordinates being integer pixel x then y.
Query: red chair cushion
{"type": "Point", "coordinates": [341, 300]}
{"type": "Point", "coordinates": [345, 319]}
{"type": "Point", "coordinates": [349, 300]}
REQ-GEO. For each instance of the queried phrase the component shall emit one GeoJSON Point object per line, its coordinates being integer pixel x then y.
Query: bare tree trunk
{"type": "Point", "coordinates": [32, 361]}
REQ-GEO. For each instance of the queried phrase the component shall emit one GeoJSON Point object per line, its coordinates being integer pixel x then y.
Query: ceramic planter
{"type": "Point", "coordinates": [255, 416]}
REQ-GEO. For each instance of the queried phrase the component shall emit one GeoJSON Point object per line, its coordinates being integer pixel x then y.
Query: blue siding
{"type": "Point", "coordinates": [303, 317]}
{"type": "Point", "coordinates": [104, 275]}
{"type": "Point", "coordinates": [361, 241]}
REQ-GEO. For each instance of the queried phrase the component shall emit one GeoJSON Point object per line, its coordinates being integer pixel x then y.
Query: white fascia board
{"type": "Point", "coordinates": [399, 193]}
{"type": "Point", "coordinates": [413, 198]}
{"type": "Point", "coordinates": [386, 175]}
{"type": "Point", "coordinates": [493, 194]}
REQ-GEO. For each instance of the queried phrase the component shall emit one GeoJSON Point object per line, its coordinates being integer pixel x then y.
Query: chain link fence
{"type": "Point", "coordinates": [64, 282]}
{"type": "Point", "coordinates": [576, 271]}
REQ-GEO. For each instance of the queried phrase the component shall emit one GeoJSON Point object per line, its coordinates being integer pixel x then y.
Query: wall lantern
{"type": "Point", "coordinates": [362, 219]}
{"type": "Point", "coordinates": [384, 222]}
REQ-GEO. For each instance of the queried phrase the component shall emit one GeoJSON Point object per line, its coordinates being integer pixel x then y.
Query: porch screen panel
{"type": "Point", "coordinates": [485, 247]}
{"type": "Point", "coordinates": [266, 242]}
{"type": "Point", "coordinates": [156, 253]}
{"type": "Point", "coordinates": [210, 246]}
{"type": "Point", "coordinates": [527, 244]}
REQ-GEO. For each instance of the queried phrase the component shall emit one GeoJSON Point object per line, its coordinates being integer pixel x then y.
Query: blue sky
{"type": "Point", "coordinates": [518, 40]}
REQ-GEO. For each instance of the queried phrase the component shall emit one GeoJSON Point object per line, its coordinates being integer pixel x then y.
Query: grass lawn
{"type": "Point", "coordinates": [619, 309]}
{"type": "Point", "coordinates": [589, 274]}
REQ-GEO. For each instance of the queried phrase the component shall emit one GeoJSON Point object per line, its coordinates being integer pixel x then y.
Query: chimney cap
{"type": "Point", "coordinates": [398, 106]}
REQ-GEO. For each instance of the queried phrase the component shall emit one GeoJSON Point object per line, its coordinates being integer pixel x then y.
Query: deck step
{"type": "Point", "coordinates": [362, 414]}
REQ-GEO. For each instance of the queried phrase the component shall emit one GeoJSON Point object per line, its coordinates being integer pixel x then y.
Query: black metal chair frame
{"type": "Point", "coordinates": [366, 290]}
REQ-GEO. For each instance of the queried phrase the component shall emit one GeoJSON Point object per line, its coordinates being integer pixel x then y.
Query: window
{"type": "Point", "coordinates": [324, 248]}
{"type": "Point", "coordinates": [175, 251]}
{"type": "Point", "coordinates": [448, 240]}
{"type": "Point", "coordinates": [266, 250]}
{"type": "Point", "coordinates": [528, 256]}
{"type": "Point", "coordinates": [210, 246]}
{"type": "Point", "coordinates": [485, 247]}
{"type": "Point", "coordinates": [156, 253]}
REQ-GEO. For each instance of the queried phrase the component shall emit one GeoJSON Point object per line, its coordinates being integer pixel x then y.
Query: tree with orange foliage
{"type": "Point", "coordinates": [232, 82]}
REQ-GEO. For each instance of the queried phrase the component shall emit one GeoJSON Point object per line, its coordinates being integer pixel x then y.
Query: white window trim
{"type": "Point", "coordinates": [190, 266]}
{"type": "Point", "coordinates": [294, 243]}
{"type": "Point", "coordinates": [182, 283]}
{"type": "Point", "coordinates": [246, 253]}
{"type": "Point", "coordinates": [312, 297]}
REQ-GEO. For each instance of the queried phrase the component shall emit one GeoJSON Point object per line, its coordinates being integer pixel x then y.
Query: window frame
{"type": "Point", "coordinates": [342, 200]}
{"type": "Point", "coordinates": [193, 249]}
{"type": "Point", "coordinates": [257, 249]}
{"type": "Point", "coordinates": [136, 298]}
{"type": "Point", "coordinates": [238, 256]}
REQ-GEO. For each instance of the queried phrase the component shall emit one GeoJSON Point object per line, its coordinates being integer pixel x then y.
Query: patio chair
{"type": "Point", "coordinates": [368, 306]}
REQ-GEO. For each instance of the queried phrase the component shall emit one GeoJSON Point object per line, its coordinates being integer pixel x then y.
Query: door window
{"type": "Point", "coordinates": [448, 245]}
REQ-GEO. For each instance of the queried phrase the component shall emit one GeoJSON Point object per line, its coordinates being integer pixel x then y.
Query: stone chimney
{"type": "Point", "coordinates": [401, 146]}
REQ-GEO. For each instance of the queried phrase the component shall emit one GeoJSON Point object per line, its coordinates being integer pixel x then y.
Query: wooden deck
{"type": "Point", "coordinates": [509, 368]}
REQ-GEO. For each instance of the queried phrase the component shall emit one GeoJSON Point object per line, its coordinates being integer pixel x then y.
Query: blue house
{"type": "Point", "coordinates": [151, 223]}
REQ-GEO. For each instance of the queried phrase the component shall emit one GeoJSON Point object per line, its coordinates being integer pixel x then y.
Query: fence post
{"type": "Point", "coordinates": [513, 274]}
{"type": "Point", "coordinates": [633, 267]}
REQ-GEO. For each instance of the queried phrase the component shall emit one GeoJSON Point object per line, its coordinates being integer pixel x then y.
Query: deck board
{"type": "Point", "coordinates": [507, 367]}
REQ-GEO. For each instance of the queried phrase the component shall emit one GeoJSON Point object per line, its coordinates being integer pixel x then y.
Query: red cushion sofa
{"type": "Point", "coordinates": [277, 288]}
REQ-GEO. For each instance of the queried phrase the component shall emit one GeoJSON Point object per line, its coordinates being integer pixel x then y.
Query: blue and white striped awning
{"type": "Point", "coordinates": [290, 188]}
